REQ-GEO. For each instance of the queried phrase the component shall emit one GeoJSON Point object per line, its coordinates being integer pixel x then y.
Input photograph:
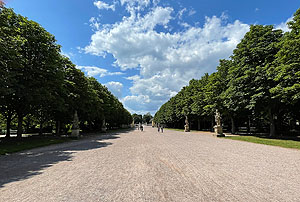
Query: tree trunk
{"type": "Point", "coordinates": [58, 128]}
{"type": "Point", "coordinates": [212, 124]}
{"type": "Point", "coordinates": [20, 126]}
{"type": "Point", "coordinates": [233, 128]}
{"type": "Point", "coordinates": [272, 123]}
{"type": "Point", "coordinates": [199, 124]}
{"type": "Point", "coordinates": [41, 128]}
{"type": "Point", "coordinates": [8, 125]}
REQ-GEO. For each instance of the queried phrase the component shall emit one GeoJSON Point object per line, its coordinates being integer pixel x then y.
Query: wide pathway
{"type": "Point", "coordinates": [151, 166]}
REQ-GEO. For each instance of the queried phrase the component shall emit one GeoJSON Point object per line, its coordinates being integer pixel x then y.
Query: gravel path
{"type": "Point", "coordinates": [151, 166]}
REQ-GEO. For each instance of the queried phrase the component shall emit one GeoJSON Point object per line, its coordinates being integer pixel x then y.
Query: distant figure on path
{"type": "Point", "coordinates": [162, 128]}
{"type": "Point", "coordinates": [142, 128]}
{"type": "Point", "coordinates": [158, 127]}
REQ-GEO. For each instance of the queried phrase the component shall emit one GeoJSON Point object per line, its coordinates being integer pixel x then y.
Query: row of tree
{"type": "Point", "coordinates": [146, 118]}
{"type": "Point", "coordinates": [258, 88]}
{"type": "Point", "coordinates": [40, 87]}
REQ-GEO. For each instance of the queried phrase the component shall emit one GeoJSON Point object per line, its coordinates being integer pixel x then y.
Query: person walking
{"type": "Point", "coordinates": [162, 128]}
{"type": "Point", "coordinates": [158, 127]}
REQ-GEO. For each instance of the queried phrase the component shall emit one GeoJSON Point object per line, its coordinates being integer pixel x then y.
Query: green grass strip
{"type": "Point", "coordinates": [267, 141]}
{"type": "Point", "coordinates": [28, 143]}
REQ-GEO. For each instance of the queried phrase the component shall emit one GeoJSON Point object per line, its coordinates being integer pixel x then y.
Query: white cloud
{"type": "Point", "coordinates": [192, 12]}
{"type": "Point", "coordinates": [283, 26]}
{"type": "Point", "coordinates": [115, 88]}
{"type": "Point", "coordinates": [102, 5]}
{"type": "Point", "coordinates": [68, 55]}
{"type": "Point", "coordinates": [167, 61]}
{"type": "Point", "coordinates": [180, 13]}
{"type": "Point", "coordinates": [138, 5]}
{"type": "Point", "coordinates": [140, 104]}
{"type": "Point", "coordinates": [94, 23]}
{"type": "Point", "coordinates": [133, 78]}
{"type": "Point", "coordinates": [97, 71]}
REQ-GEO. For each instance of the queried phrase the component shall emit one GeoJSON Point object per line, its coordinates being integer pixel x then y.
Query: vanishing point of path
{"type": "Point", "coordinates": [151, 166]}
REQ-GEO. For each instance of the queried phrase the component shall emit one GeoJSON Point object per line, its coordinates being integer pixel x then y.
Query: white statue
{"type": "Point", "coordinates": [218, 118]}
{"type": "Point", "coordinates": [218, 128]}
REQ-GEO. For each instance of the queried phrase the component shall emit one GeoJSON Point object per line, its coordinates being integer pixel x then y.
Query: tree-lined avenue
{"type": "Point", "coordinates": [152, 166]}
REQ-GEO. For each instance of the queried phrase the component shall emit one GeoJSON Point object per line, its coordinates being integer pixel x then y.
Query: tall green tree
{"type": "Point", "coordinates": [137, 118]}
{"type": "Point", "coordinates": [287, 67]}
{"type": "Point", "coordinates": [30, 61]}
{"type": "Point", "coordinates": [256, 50]}
{"type": "Point", "coordinates": [11, 42]}
{"type": "Point", "coordinates": [147, 117]}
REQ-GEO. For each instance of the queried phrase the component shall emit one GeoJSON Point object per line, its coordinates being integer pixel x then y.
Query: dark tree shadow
{"type": "Point", "coordinates": [24, 165]}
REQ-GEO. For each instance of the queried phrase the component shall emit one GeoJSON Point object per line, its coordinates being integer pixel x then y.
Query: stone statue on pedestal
{"type": "Point", "coordinates": [75, 126]}
{"type": "Point", "coordinates": [218, 128]}
{"type": "Point", "coordinates": [103, 128]}
{"type": "Point", "coordinates": [186, 126]}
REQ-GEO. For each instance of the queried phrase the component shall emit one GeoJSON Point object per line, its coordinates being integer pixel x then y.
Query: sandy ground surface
{"type": "Point", "coordinates": [151, 166]}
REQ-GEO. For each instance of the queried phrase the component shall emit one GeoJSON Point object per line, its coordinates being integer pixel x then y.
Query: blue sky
{"type": "Point", "coordinates": [145, 51]}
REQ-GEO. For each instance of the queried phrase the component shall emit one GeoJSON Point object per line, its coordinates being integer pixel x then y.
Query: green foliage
{"type": "Point", "coordinates": [147, 117]}
{"type": "Point", "coordinates": [41, 86]}
{"type": "Point", "coordinates": [287, 65]}
{"type": "Point", "coordinates": [261, 82]}
{"type": "Point", "coordinates": [137, 118]}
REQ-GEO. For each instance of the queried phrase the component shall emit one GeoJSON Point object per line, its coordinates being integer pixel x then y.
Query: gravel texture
{"type": "Point", "coordinates": [152, 166]}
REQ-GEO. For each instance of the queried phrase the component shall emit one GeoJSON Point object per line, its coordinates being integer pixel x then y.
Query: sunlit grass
{"type": "Point", "coordinates": [267, 141]}
{"type": "Point", "coordinates": [181, 130]}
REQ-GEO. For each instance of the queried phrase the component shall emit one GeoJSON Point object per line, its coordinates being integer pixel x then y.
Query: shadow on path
{"type": "Point", "coordinates": [26, 164]}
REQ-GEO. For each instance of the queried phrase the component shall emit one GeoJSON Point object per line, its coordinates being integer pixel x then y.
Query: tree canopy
{"type": "Point", "coordinates": [258, 86]}
{"type": "Point", "coordinates": [39, 86]}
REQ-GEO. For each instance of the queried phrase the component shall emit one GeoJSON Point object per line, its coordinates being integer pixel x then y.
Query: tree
{"type": "Point", "coordinates": [147, 117]}
{"type": "Point", "coordinates": [256, 50]}
{"type": "Point", "coordinates": [137, 118]}
{"type": "Point", "coordinates": [10, 48]}
{"type": "Point", "coordinates": [286, 68]}
{"type": "Point", "coordinates": [38, 83]}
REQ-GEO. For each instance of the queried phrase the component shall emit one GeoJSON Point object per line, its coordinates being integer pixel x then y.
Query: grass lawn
{"type": "Point", "coordinates": [274, 142]}
{"type": "Point", "coordinates": [14, 145]}
{"type": "Point", "coordinates": [176, 129]}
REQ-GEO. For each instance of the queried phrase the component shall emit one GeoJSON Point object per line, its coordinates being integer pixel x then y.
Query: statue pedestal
{"type": "Point", "coordinates": [75, 133]}
{"type": "Point", "coordinates": [103, 129]}
{"type": "Point", "coordinates": [219, 131]}
{"type": "Point", "coordinates": [186, 128]}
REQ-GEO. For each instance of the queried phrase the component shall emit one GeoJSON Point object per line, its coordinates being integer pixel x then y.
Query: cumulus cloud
{"type": "Point", "coordinates": [115, 88]}
{"type": "Point", "coordinates": [283, 26]}
{"type": "Point", "coordinates": [102, 5]}
{"type": "Point", "coordinates": [140, 104]}
{"type": "Point", "coordinates": [166, 61]}
{"type": "Point", "coordinates": [97, 71]}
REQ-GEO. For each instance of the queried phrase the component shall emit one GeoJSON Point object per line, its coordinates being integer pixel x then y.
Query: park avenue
{"type": "Point", "coordinates": [151, 166]}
